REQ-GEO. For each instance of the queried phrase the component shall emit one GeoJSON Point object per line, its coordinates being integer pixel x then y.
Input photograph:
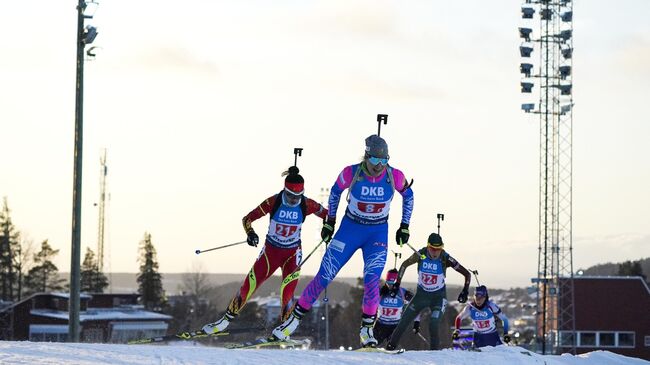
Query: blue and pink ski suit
{"type": "Point", "coordinates": [365, 227]}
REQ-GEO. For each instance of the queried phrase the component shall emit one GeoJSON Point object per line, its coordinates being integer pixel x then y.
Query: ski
{"type": "Point", "coordinates": [189, 335]}
{"type": "Point", "coordinates": [268, 342]}
{"type": "Point", "coordinates": [380, 350]}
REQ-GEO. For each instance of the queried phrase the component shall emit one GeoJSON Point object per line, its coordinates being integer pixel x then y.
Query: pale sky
{"type": "Point", "coordinates": [200, 106]}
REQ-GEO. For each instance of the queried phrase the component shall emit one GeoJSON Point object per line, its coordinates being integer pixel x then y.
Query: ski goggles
{"type": "Point", "coordinates": [291, 197]}
{"type": "Point", "coordinates": [293, 194]}
{"type": "Point", "coordinates": [435, 248]}
{"type": "Point", "coordinates": [376, 160]}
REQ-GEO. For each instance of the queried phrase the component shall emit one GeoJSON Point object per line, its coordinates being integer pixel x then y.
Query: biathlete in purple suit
{"type": "Point", "coordinates": [371, 187]}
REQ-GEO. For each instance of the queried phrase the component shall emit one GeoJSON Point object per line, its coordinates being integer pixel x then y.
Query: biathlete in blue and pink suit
{"type": "Point", "coordinates": [371, 187]}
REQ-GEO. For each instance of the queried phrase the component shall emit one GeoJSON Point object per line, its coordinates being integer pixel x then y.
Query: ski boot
{"type": "Point", "coordinates": [220, 325]}
{"type": "Point", "coordinates": [367, 337]}
{"type": "Point", "coordinates": [283, 331]}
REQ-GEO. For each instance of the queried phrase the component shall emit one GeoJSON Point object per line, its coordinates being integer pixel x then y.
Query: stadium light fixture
{"type": "Point", "coordinates": [526, 87]}
{"type": "Point", "coordinates": [525, 51]}
{"type": "Point", "coordinates": [566, 34]}
{"type": "Point", "coordinates": [565, 89]}
{"type": "Point", "coordinates": [527, 12]}
{"type": "Point", "coordinates": [565, 71]}
{"type": "Point", "coordinates": [90, 33]}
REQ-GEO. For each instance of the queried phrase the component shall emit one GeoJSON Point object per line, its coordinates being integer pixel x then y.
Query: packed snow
{"type": "Point", "coordinates": [29, 353]}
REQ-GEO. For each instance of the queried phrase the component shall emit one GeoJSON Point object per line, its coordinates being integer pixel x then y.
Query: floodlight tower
{"type": "Point", "coordinates": [555, 294]}
{"type": "Point", "coordinates": [85, 35]}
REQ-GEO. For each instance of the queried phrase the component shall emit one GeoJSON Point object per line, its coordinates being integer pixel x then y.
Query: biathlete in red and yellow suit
{"type": "Point", "coordinates": [282, 248]}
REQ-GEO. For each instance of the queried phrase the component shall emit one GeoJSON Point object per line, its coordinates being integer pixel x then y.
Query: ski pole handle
{"type": "Point", "coordinates": [296, 152]}
{"type": "Point", "coordinates": [381, 118]}
{"type": "Point", "coordinates": [219, 247]}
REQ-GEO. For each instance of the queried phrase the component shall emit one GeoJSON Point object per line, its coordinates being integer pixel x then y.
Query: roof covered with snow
{"type": "Point", "coordinates": [103, 314]}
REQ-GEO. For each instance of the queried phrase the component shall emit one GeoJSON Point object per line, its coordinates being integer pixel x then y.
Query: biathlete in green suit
{"type": "Point", "coordinates": [431, 291]}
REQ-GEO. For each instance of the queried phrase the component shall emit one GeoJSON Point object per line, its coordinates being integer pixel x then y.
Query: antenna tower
{"type": "Point", "coordinates": [103, 170]}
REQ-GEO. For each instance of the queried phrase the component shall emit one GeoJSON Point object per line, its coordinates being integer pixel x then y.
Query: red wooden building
{"type": "Point", "coordinates": [611, 313]}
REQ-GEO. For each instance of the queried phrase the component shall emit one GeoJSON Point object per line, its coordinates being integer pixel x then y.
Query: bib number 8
{"type": "Point", "coordinates": [371, 207]}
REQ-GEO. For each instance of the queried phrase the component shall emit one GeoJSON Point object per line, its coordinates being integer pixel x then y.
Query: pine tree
{"type": "Point", "coordinates": [44, 276]}
{"type": "Point", "coordinates": [92, 280]}
{"type": "Point", "coordinates": [631, 268]}
{"type": "Point", "coordinates": [9, 256]}
{"type": "Point", "coordinates": [149, 279]}
{"type": "Point", "coordinates": [23, 263]}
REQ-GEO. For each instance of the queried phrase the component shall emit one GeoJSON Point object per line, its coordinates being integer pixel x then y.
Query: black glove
{"type": "Point", "coordinates": [462, 297]}
{"type": "Point", "coordinates": [403, 234]}
{"type": "Point", "coordinates": [455, 335]}
{"type": "Point", "coordinates": [416, 327]}
{"type": "Point", "coordinates": [252, 238]}
{"type": "Point", "coordinates": [328, 229]}
{"type": "Point", "coordinates": [506, 338]}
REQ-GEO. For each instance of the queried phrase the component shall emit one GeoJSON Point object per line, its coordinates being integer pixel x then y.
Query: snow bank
{"type": "Point", "coordinates": [29, 353]}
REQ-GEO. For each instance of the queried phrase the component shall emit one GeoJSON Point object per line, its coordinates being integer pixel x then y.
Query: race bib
{"type": "Point", "coordinates": [431, 282]}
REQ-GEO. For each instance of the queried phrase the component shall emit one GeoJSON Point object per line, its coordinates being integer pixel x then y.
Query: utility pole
{"type": "Point", "coordinates": [85, 35]}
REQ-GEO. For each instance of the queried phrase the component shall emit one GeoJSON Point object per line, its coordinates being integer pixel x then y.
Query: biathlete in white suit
{"type": "Point", "coordinates": [483, 312]}
{"type": "Point", "coordinates": [392, 301]}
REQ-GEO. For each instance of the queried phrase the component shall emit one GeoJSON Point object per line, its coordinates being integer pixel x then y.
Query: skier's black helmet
{"type": "Point", "coordinates": [481, 291]}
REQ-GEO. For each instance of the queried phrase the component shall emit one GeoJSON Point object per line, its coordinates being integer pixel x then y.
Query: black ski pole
{"type": "Point", "coordinates": [422, 337]}
{"type": "Point", "coordinates": [296, 152]}
{"type": "Point", "coordinates": [397, 256]}
{"type": "Point", "coordinates": [381, 118]}
{"type": "Point", "coordinates": [475, 272]}
{"type": "Point", "coordinates": [441, 217]}
{"type": "Point", "coordinates": [311, 253]}
{"type": "Point", "coordinates": [219, 247]}
{"type": "Point", "coordinates": [422, 256]}
{"type": "Point", "coordinates": [296, 272]}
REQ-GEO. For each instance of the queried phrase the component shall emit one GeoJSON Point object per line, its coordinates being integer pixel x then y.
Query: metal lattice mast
{"type": "Point", "coordinates": [555, 308]}
{"type": "Point", "coordinates": [103, 170]}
